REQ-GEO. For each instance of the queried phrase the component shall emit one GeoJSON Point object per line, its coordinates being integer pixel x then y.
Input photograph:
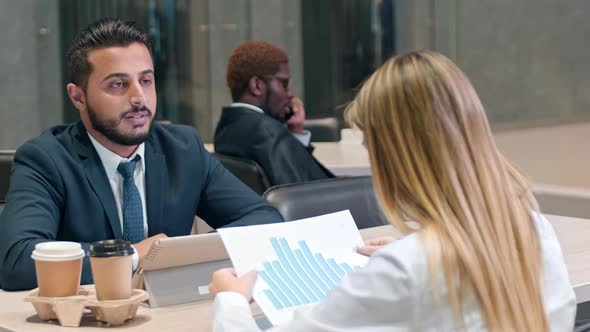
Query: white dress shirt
{"type": "Point", "coordinates": [393, 293]}
{"type": "Point", "coordinates": [304, 138]}
{"type": "Point", "coordinates": [110, 162]}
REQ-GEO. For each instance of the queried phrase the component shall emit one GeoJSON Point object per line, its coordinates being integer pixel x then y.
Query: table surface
{"type": "Point", "coordinates": [17, 315]}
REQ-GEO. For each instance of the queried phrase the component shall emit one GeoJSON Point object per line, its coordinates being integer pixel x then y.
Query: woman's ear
{"type": "Point", "coordinates": [77, 96]}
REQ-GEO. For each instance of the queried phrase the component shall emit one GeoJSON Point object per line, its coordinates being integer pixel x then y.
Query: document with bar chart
{"type": "Point", "coordinates": [298, 262]}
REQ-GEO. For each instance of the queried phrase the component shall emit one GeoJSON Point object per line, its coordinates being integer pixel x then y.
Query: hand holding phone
{"type": "Point", "coordinates": [296, 116]}
{"type": "Point", "coordinates": [289, 114]}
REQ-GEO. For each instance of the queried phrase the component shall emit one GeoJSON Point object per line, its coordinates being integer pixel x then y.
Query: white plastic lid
{"type": "Point", "coordinates": [57, 251]}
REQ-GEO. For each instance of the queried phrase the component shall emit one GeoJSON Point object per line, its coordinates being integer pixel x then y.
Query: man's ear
{"type": "Point", "coordinates": [77, 96]}
{"type": "Point", "coordinates": [256, 86]}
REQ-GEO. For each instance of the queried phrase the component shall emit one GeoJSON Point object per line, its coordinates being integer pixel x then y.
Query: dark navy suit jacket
{"type": "Point", "coordinates": [245, 133]}
{"type": "Point", "coordinates": [59, 191]}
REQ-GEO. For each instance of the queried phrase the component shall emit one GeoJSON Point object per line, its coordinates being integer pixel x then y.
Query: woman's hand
{"type": "Point", "coordinates": [372, 245]}
{"type": "Point", "coordinates": [225, 280]}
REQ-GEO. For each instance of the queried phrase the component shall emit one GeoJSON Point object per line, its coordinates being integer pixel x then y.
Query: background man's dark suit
{"type": "Point", "coordinates": [60, 191]}
{"type": "Point", "coordinates": [245, 133]}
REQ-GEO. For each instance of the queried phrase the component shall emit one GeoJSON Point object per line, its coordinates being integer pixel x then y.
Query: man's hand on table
{"type": "Point", "coordinates": [143, 247]}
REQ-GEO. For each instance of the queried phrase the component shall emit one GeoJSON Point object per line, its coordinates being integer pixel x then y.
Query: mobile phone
{"type": "Point", "coordinates": [289, 114]}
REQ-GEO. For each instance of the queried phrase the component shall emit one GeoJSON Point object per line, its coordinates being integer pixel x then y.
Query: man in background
{"type": "Point", "coordinates": [265, 122]}
{"type": "Point", "coordinates": [114, 174]}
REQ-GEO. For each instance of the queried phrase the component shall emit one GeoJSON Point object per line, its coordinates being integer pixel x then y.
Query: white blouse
{"type": "Point", "coordinates": [393, 293]}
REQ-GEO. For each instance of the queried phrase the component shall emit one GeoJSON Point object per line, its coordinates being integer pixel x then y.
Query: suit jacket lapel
{"type": "Point", "coordinates": [98, 179]}
{"type": "Point", "coordinates": [155, 175]}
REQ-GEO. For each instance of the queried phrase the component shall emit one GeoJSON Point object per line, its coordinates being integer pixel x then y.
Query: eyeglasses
{"type": "Point", "coordinates": [285, 81]}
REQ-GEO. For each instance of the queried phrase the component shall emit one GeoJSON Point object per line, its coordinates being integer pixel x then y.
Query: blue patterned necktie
{"type": "Point", "coordinates": [132, 209]}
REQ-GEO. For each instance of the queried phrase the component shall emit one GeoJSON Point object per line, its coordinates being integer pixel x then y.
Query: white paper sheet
{"type": "Point", "coordinates": [298, 262]}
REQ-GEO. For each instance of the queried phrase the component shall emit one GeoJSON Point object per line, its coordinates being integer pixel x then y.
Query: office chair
{"type": "Point", "coordinates": [582, 326]}
{"type": "Point", "coordinates": [323, 129]}
{"type": "Point", "coordinates": [563, 201]}
{"type": "Point", "coordinates": [6, 158]}
{"type": "Point", "coordinates": [310, 199]}
{"type": "Point", "coordinates": [246, 170]}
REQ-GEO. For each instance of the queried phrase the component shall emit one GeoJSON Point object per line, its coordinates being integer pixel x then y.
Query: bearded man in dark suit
{"type": "Point", "coordinates": [114, 174]}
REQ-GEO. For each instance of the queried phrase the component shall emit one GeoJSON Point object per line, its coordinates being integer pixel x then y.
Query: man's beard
{"type": "Point", "coordinates": [266, 108]}
{"type": "Point", "coordinates": [108, 128]}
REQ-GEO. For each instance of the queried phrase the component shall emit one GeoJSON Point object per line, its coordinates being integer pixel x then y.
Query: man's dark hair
{"type": "Point", "coordinates": [106, 32]}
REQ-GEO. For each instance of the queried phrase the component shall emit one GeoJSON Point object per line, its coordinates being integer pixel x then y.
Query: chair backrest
{"type": "Point", "coordinates": [248, 171]}
{"type": "Point", "coordinates": [563, 201]}
{"type": "Point", "coordinates": [310, 199]}
{"type": "Point", "coordinates": [6, 158]}
{"type": "Point", "coordinates": [323, 129]}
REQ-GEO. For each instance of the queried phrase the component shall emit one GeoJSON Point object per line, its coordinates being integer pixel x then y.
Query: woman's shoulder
{"type": "Point", "coordinates": [541, 222]}
{"type": "Point", "coordinates": [545, 231]}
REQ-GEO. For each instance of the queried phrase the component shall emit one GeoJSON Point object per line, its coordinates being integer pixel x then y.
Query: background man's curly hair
{"type": "Point", "coordinates": [252, 58]}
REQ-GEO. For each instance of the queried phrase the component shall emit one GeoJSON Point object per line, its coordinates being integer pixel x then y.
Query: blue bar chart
{"type": "Point", "coordinates": [299, 276]}
{"type": "Point", "coordinates": [298, 262]}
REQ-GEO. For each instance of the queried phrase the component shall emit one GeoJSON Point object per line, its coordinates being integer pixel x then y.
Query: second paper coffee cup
{"type": "Point", "coordinates": [112, 266]}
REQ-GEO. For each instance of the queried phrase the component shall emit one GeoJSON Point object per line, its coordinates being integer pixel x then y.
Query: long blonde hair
{"type": "Point", "coordinates": [434, 160]}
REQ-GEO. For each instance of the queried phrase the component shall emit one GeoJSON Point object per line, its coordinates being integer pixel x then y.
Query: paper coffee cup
{"type": "Point", "coordinates": [58, 266]}
{"type": "Point", "coordinates": [112, 269]}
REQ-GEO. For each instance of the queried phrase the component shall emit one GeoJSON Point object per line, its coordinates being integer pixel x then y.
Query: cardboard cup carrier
{"type": "Point", "coordinates": [59, 296]}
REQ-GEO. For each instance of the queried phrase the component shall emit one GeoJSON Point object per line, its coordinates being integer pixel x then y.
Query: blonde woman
{"type": "Point", "coordinates": [482, 259]}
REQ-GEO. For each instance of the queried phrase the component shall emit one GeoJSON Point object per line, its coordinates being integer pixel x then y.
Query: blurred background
{"type": "Point", "coordinates": [528, 59]}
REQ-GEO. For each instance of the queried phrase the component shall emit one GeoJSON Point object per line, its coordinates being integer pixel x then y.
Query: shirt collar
{"type": "Point", "coordinates": [111, 160]}
{"type": "Point", "coordinates": [248, 106]}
